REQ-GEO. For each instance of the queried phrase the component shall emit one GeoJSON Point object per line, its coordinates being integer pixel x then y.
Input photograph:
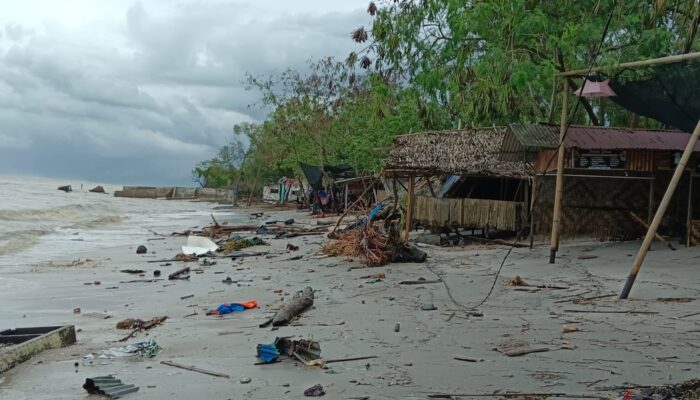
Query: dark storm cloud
{"type": "Point", "coordinates": [143, 98]}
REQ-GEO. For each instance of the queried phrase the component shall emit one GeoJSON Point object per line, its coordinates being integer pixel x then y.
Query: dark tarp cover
{"type": "Point", "coordinates": [669, 95]}
{"type": "Point", "coordinates": [315, 176]}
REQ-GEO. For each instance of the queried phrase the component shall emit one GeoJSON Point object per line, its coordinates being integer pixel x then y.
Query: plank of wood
{"type": "Point", "coordinates": [612, 311]}
{"type": "Point", "coordinates": [176, 274]}
{"type": "Point", "coordinates": [348, 359]}
{"type": "Point", "coordinates": [195, 369]}
{"type": "Point", "coordinates": [518, 353]}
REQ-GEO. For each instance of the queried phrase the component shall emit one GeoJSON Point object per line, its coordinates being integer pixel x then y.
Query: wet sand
{"type": "Point", "coordinates": [353, 318]}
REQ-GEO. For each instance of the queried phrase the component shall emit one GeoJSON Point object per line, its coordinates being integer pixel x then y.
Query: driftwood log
{"type": "Point", "coordinates": [297, 305]}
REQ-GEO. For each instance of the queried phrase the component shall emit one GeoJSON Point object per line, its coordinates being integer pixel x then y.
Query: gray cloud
{"type": "Point", "coordinates": [143, 97]}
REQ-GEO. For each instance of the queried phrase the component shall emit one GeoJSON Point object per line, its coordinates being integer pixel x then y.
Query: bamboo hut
{"type": "Point", "coordinates": [615, 177]}
{"type": "Point", "coordinates": [489, 193]}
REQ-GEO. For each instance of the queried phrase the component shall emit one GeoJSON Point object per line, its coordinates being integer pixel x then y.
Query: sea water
{"type": "Point", "coordinates": [39, 223]}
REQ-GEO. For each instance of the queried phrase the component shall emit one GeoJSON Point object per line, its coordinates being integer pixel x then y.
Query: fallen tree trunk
{"type": "Point", "coordinates": [297, 305]}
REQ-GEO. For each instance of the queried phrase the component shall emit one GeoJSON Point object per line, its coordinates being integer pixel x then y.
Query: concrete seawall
{"type": "Point", "coordinates": [176, 193]}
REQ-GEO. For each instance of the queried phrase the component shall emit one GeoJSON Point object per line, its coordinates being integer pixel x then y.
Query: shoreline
{"type": "Point", "coordinates": [353, 318]}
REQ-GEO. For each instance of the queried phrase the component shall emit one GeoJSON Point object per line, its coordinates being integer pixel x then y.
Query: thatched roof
{"type": "Point", "coordinates": [462, 152]}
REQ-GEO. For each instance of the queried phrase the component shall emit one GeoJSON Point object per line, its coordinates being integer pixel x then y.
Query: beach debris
{"type": "Point", "coordinates": [66, 188]}
{"type": "Point", "coordinates": [98, 315]}
{"type": "Point", "coordinates": [516, 281]}
{"type": "Point", "coordinates": [245, 380]}
{"type": "Point", "coordinates": [147, 349]}
{"type": "Point", "coordinates": [397, 327]}
{"type": "Point", "coordinates": [689, 389]}
{"type": "Point", "coordinates": [468, 359]}
{"type": "Point", "coordinates": [132, 271]}
{"type": "Point", "coordinates": [374, 276]}
{"type": "Point", "coordinates": [428, 307]}
{"type": "Point", "coordinates": [208, 263]}
{"type": "Point", "coordinates": [289, 221]}
{"type": "Point", "coordinates": [228, 281]}
{"type": "Point", "coordinates": [189, 296]}
{"type": "Point", "coordinates": [675, 299]}
{"type": "Point", "coordinates": [237, 243]}
{"type": "Point", "coordinates": [108, 386]}
{"type": "Point", "coordinates": [76, 310]}
{"type": "Point", "coordinates": [291, 247]}
{"type": "Point", "coordinates": [141, 250]}
{"type": "Point", "coordinates": [569, 329]}
{"type": "Point", "coordinates": [135, 323]}
{"type": "Point", "coordinates": [156, 273]}
{"type": "Point", "coordinates": [98, 189]}
{"type": "Point", "coordinates": [314, 391]}
{"type": "Point", "coordinates": [227, 308]}
{"type": "Point", "coordinates": [195, 369]}
{"type": "Point", "coordinates": [306, 351]}
{"type": "Point", "coordinates": [180, 274]}
{"type": "Point", "coordinates": [268, 353]}
{"type": "Point", "coordinates": [199, 245]}
{"type": "Point", "coordinates": [301, 301]}
{"type": "Point", "coordinates": [420, 281]}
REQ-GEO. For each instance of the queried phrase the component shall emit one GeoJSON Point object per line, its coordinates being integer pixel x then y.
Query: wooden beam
{"type": "Point", "coordinates": [633, 64]}
{"type": "Point", "coordinates": [556, 213]}
{"type": "Point", "coordinates": [660, 212]}
{"type": "Point", "coordinates": [409, 207]}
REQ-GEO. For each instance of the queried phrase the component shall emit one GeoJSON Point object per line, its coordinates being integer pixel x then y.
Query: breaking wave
{"type": "Point", "coordinates": [62, 213]}
{"type": "Point", "coordinates": [18, 241]}
{"type": "Point", "coordinates": [98, 223]}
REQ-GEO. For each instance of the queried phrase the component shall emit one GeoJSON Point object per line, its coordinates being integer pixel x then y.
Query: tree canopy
{"type": "Point", "coordinates": [437, 64]}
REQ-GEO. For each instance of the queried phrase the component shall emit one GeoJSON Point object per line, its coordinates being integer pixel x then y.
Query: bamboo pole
{"type": "Point", "coordinates": [690, 209]}
{"type": "Point", "coordinates": [660, 212]}
{"type": "Point", "coordinates": [409, 207]}
{"type": "Point", "coordinates": [650, 214]}
{"type": "Point", "coordinates": [633, 64]}
{"type": "Point", "coordinates": [556, 214]}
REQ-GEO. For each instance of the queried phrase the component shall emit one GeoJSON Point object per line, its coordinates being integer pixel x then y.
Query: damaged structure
{"type": "Point", "coordinates": [480, 191]}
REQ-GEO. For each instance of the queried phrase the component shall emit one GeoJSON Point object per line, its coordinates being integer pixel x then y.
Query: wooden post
{"type": "Point", "coordinates": [690, 209]}
{"type": "Point", "coordinates": [654, 226]}
{"type": "Point", "coordinates": [556, 213]}
{"type": "Point", "coordinates": [650, 214]}
{"type": "Point", "coordinates": [346, 196]}
{"type": "Point", "coordinates": [409, 207]}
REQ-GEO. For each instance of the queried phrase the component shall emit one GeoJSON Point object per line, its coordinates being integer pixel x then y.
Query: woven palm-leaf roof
{"type": "Point", "coordinates": [471, 151]}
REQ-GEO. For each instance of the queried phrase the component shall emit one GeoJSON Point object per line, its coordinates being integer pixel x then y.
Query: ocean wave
{"type": "Point", "coordinates": [98, 223]}
{"type": "Point", "coordinates": [62, 213]}
{"type": "Point", "coordinates": [17, 241]}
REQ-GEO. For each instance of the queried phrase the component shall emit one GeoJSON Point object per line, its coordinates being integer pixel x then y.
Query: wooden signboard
{"type": "Point", "coordinates": [601, 159]}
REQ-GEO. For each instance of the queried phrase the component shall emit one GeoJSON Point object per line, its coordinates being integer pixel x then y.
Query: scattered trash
{"type": "Point", "coordinates": [689, 389]}
{"type": "Point", "coordinates": [148, 348]}
{"type": "Point", "coordinates": [428, 307]}
{"type": "Point", "coordinates": [156, 273]}
{"type": "Point", "coordinates": [569, 329]}
{"type": "Point", "coordinates": [245, 380]}
{"type": "Point", "coordinates": [467, 359]}
{"type": "Point", "coordinates": [516, 281]}
{"type": "Point", "coordinates": [141, 250]}
{"type": "Point", "coordinates": [228, 308]}
{"type": "Point", "coordinates": [420, 281]}
{"type": "Point", "coordinates": [291, 247]}
{"type": "Point", "coordinates": [268, 353]}
{"type": "Point", "coordinates": [306, 351]}
{"type": "Point", "coordinates": [195, 369]}
{"type": "Point", "coordinates": [289, 221]}
{"type": "Point", "coordinates": [397, 327]}
{"type": "Point", "coordinates": [238, 243]}
{"type": "Point", "coordinates": [108, 386]}
{"type": "Point", "coordinates": [228, 281]}
{"type": "Point", "coordinates": [314, 391]}
{"type": "Point", "coordinates": [675, 299]}
{"type": "Point", "coordinates": [198, 245]}
{"type": "Point", "coordinates": [189, 296]}
{"type": "Point", "coordinates": [180, 274]}
{"type": "Point", "coordinates": [297, 305]}
{"type": "Point", "coordinates": [76, 310]}
{"type": "Point", "coordinates": [208, 263]}
{"type": "Point", "coordinates": [132, 271]}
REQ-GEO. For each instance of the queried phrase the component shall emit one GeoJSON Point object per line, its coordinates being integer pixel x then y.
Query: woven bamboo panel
{"type": "Point", "coordinates": [695, 232]}
{"type": "Point", "coordinates": [467, 213]}
{"type": "Point", "coordinates": [596, 208]}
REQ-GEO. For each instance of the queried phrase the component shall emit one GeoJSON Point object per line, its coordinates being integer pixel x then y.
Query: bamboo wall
{"type": "Point", "coordinates": [592, 207]}
{"type": "Point", "coordinates": [467, 213]}
{"type": "Point", "coordinates": [695, 232]}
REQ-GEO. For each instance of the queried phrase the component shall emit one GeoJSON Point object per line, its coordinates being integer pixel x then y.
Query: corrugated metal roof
{"type": "Point", "coordinates": [598, 138]}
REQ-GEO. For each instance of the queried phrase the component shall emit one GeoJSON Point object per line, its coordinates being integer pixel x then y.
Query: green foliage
{"type": "Point", "coordinates": [436, 64]}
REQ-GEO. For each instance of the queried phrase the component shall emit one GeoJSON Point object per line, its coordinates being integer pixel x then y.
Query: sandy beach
{"type": "Point", "coordinates": [355, 317]}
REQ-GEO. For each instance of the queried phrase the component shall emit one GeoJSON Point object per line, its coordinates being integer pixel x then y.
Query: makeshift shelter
{"type": "Point", "coordinates": [611, 176]}
{"type": "Point", "coordinates": [325, 194]}
{"type": "Point", "coordinates": [489, 194]}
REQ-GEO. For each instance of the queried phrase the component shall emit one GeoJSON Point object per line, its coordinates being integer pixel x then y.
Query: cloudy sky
{"type": "Point", "coordinates": [137, 92]}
